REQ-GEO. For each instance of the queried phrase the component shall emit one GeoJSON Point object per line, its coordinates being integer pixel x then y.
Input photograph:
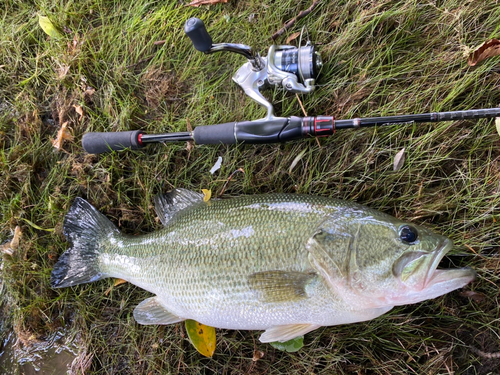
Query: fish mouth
{"type": "Point", "coordinates": [455, 277]}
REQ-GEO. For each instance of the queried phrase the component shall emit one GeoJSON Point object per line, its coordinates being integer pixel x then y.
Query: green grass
{"type": "Point", "coordinates": [381, 58]}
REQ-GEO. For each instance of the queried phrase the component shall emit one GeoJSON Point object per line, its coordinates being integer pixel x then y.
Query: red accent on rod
{"type": "Point", "coordinates": [139, 139]}
{"type": "Point", "coordinates": [319, 121]}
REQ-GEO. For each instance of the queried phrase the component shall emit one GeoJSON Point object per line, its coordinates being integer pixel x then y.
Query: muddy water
{"type": "Point", "coordinates": [53, 356]}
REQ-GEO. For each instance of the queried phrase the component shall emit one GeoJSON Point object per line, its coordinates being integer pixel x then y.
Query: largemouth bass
{"type": "Point", "coordinates": [283, 263]}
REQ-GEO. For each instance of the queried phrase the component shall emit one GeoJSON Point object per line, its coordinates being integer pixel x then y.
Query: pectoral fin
{"type": "Point", "coordinates": [286, 332]}
{"type": "Point", "coordinates": [150, 311]}
{"type": "Point", "coordinates": [281, 286]}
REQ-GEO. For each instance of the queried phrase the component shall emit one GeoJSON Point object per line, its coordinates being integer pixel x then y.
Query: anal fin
{"type": "Point", "coordinates": [150, 311]}
{"type": "Point", "coordinates": [286, 332]}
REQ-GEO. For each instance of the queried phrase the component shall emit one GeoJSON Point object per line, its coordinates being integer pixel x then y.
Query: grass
{"type": "Point", "coordinates": [381, 58]}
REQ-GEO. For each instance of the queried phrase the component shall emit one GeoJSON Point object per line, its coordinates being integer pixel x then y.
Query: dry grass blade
{"type": "Point", "coordinates": [197, 3]}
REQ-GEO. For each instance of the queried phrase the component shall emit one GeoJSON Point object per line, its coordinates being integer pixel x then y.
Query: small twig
{"type": "Point", "coordinates": [485, 354]}
{"type": "Point", "coordinates": [147, 59]}
{"type": "Point", "coordinates": [300, 103]}
{"type": "Point", "coordinates": [230, 178]}
{"type": "Point", "coordinates": [292, 22]}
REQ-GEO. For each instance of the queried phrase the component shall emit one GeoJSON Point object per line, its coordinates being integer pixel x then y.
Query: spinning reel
{"type": "Point", "coordinates": [293, 68]}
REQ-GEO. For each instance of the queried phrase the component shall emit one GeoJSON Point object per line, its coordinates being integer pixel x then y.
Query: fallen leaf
{"type": "Point", "coordinates": [79, 110]}
{"type": "Point", "coordinates": [62, 71]}
{"type": "Point", "coordinates": [488, 49]}
{"type": "Point", "coordinates": [10, 246]}
{"type": "Point", "coordinates": [88, 93]}
{"type": "Point", "coordinates": [48, 27]}
{"type": "Point", "coordinates": [257, 354]}
{"type": "Point", "coordinates": [399, 160]}
{"type": "Point", "coordinates": [207, 194]}
{"type": "Point", "coordinates": [217, 165]}
{"type": "Point", "coordinates": [290, 346]}
{"type": "Point", "coordinates": [292, 37]}
{"type": "Point", "coordinates": [296, 160]}
{"type": "Point", "coordinates": [497, 124]}
{"type": "Point", "coordinates": [202, 337]}
{"type": "Point", "coordinates": [197, 3]}
{"type": "Point", "coordinates": [475, 296]}
{"type": "Point", "coordinates": [62, 134]}
{"type": "Point", "coordinates": [116, 283]}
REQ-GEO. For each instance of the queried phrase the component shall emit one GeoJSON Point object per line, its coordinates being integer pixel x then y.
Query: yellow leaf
{"type": "Point", "coordinates": [497, 124]}
{"type": "Point", "coordinates": [49, 27]}
{"type": "Point", "coordinates": [116, 283]}
{"type": "Point", "coordinates": [202, 337]}
{"type": "Point", "coordinates": [207, 194]}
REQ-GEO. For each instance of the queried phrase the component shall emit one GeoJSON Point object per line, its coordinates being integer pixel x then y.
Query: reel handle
{"type": "Point", "coordinates": [196, 31]}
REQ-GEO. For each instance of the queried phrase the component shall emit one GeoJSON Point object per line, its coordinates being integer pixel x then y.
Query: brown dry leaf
{"type": "Point", "coordinates": [257, 354]}
{"type": "Point", "coordinates": [62, 134]}
{"type": "Point", "coordinates": [62, 71]}
{"type": "Point", "coordinates": [9, 247]}
{"type": "Point", "coordinates": [292, 37]}
{"type": "Point", "coordinates": [475, 296]}
{"type": "Point", "coordinates": [488, 49]}
{"type": "Point", "coordinates": [88, 93]}
{"type": "Point", "coordinates": [116, 283]}
{"type": "Point", "coordinates": [197, 3]}
{"type": "Point", "coordinates": [79, 110]}
{"type": "Point", "coordinates": [399, 160]}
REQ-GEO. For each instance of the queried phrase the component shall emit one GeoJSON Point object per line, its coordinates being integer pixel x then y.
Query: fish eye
{"type": "Point", "coordinates": [408, 234]}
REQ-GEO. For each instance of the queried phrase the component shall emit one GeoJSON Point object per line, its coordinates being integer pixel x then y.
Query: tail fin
{"type": "Point", "coordinates": [86, 229]}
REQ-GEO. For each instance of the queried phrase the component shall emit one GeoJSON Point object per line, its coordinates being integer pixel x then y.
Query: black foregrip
{"type": "Point", "coordinates": [196, 31]}
{"type": "Point", "coordinates": [97, 143]}
{"type": "Point", "coordinates": [214, 134]}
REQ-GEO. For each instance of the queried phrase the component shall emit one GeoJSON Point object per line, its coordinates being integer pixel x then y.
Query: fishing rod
{"type": "Point", "coordinates": [267, 131]}
{"type": "Point", "coordinates": [293, 68]}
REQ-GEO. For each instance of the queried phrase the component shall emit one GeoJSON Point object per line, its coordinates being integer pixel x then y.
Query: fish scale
{"type": "Point", "coordinates": [285, 263]}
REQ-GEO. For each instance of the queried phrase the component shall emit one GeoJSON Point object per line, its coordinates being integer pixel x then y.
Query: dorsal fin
{"type": "Point", "coordinates": [170, 204]}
